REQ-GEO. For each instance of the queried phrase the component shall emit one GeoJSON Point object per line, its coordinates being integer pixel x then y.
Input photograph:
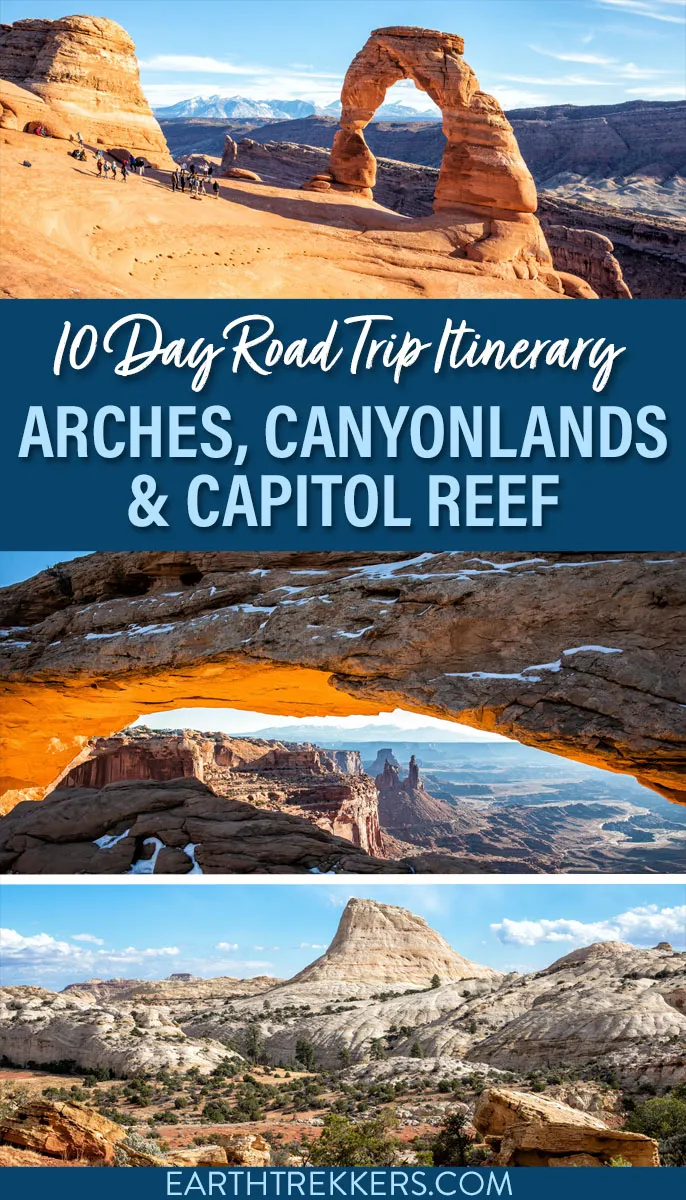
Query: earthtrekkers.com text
{"type": "Point", "coordinates": [350, 1182]}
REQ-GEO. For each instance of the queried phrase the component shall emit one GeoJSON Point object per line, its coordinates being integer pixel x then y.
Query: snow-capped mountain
{"type": "Point", "coordinates": [236, 107]}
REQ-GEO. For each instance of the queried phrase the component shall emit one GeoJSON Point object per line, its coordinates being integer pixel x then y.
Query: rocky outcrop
{"type": "Point", "coordinates": [40, 1027]}
{"type": "Point", "coordinates": [579, 655]}
{"type": "Point", "coordinates": [71, 1132]}
{"type": "Point", "coordinates": [650, 248]}
{"type": "Point", "coordinates": [603, 1010]}
{"type": "Point", "coordinates": [244, 1149]}
{"type": "Point", "coordinates": [405, 807]}
{"type": "Point", "coordinates": [483, 184]}
{"type": "Point", "coordinates": [84, 70]}
{"type": "Point", "coordinates": [64, 1130]}
{"type": "Point", "coordinates": [534, 1131]}
{"type": "Point", "coordinates": [378, 944]}
{"type": "Point", "coordinates": [229, 153]}
{"type": "Point", "coordinates": [481, 162]}
{"type": "Point", "coordinates": [174, 990]}
{"type": "Point", "coordinates": [583, 253]}
{"type": "Point", "coordinates": [144, 827]}
{"type": "Point", "coordinates": [302, 780]}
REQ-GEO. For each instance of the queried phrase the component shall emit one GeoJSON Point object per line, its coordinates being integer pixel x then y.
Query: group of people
{"type": "Point", "coordinates": [108, 167]}
{"type": "Point", "coordinates": [195, 180]}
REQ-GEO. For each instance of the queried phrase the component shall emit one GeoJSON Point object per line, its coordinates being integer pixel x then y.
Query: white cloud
{"type": "Point", "coordinates": [312, 946]}
{"type": "Point", "coordinates": [642, 926]}
{"type": "Point", "coordinates": [226, 946]}
{"type": "Point", "coordinates": [656, 10]}
{"type": "Point", "coordinates": [195, 63]}
{"type": "Point", "coordinates": [575, 56]}
{"type": "Point", "coordinates": [42, 949]}
{"type": "Point", "coordinates": [258, 947]}
{"type": "Point", "coordinates": [512, 97]}
{"type": "Point", "coordinates": [656, 93]}
{"type": "Point", "coordinates": [87, 937]}
{"type": "Point", "coordinates": [36, 948]}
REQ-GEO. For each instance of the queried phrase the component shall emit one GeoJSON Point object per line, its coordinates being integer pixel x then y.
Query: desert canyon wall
{"type": "Point", "coordinates": [328, 788]}
{"type": "Point", "coordinates": [78, 74]}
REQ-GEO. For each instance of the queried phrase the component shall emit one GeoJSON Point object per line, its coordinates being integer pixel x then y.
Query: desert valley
{"type": "Point", "coordinates": [391, 1038]}
{"type": "Point", "coordinates": [299, 212]}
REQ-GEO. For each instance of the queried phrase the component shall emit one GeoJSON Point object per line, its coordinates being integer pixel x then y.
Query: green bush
{"type": "Point", "coordinates": [664, 1118]}
{"type": "Point", "coordinates": [368, 1143]}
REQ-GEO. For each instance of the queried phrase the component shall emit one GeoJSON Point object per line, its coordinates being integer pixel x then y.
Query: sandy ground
{"type": "Point", "coordinates": [66, 233]}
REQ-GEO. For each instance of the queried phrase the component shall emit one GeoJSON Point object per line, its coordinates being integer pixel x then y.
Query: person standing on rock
{"type": "Point", "coordinates": [182, 181]}
{"type": "Point", "coordinates": [80, 139]}
{"type": "Point", "coordinates": [124, 172]}
{"type": "Point", "coordinates": [114, 170]}
{"type": "Point", "coordinates": [141, 168]}
{"type": "Point", "coordinates": [174, 181]}
{"type": "Point", "coordinates": [99, 167]}
{"type": "Point", "coordinates": [107, 169]}
{"type": "Point", "coordinates": [215, 188]}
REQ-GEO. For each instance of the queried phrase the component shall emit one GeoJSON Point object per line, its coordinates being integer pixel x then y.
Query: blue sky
{"type": "Point", "coordinates": [57, 934]}
{"type": "Point", "coordinates": [524, 51]}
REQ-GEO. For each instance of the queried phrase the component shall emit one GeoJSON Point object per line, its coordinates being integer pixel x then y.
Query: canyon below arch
{"type": "Point", "coordinates": [578, 655]}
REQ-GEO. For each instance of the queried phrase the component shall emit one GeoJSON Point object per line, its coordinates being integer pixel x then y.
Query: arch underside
{"type": "Point", "coordinates": [586, 661]}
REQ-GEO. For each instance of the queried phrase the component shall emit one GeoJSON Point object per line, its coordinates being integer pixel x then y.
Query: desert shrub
{"type": "Point", "coordinates": [344, 1143]}
{"type": "Point", "coordinates": [664, 1118]}
{"type": "Point", "coordinates": [452, 1146]}
{"type": "Point", "coordinates": [305, 1053]}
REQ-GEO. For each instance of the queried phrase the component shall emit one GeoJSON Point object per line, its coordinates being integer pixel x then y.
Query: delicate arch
{"type": "Point", "coordinates": [482, 166]}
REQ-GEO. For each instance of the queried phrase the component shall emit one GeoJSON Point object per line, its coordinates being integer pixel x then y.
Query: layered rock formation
{"type": "Point", "coordinates": [650, 249]}
{"type": "Point", "coordinates": [144, 827]}
{"type": "Point", "coordinates": [379, 944]}
{"type": "Point", "coordinates": [405, 806]}
{"type": "Point", "coordinates": [481, 162]}
{"type": "Point", "coordinates": [69, 1131]}
{"type": "Point", "coordinates": [304, 780]}
{"type": "Point", "coordinates": [579, 655]}
{"type": "Point", "coordinates": [607, 1010]}
{"type": "Point", "coordinates": [72, 1133]}
{"type": "Point", "coordinates": [84, 70]}
{"type": "Point", "coordinates": [41, 1027]}
{"type": "Point", "coordinates": [484, 185]}
{"type": "Point", "coordinates": [604, 1010]}
{"type": "Point", "coordinates": [534, 1131]}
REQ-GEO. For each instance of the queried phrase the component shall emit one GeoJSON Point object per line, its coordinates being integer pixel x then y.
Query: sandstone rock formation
{"type": "Point", "coordinates": [91, 644]}
{"type": "Point", "coordinates": [72, 1133]}
{"type": "Point", "coordinates": [605, 1009]}
{"type": "Point", "coordinates": [405, 807]}
{"type": "Point", "coordinates": [145, 827]}
{"type": "Point", "coordinates": [84, 69]}
{"type": "Point", "coordinates": [650, 249]}
{"type": "Point", "coordinates": [60, 1129]}
{"type": "Point", "coordinates": [245, 1149]}
{"type": "Point", "coordinates": [588, 255]}
{"type": "Point", "coordinates": [483, 183]}
{"type": "Point", "coordinates": [304, 781]}
{"type": "Point", "coordinates": [534, 1131]}
{"type": "Point", "coordinates": [378, 944]}
{"type": "Point", "coordinates": [41, 1027]}
{"type": "Point", "coordinates": [229, 153]}
{"type": "Point", "coordinates": [481, 162]}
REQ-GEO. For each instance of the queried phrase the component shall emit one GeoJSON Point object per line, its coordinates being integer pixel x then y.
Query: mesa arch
{"type": "Point", "coordinates": [581, 655]}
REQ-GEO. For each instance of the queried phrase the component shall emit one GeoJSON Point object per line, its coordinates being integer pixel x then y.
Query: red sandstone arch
{"type": "Point", "coordinates": [481, 164]}
{"type": "Point", "coordinates": [579, 655]}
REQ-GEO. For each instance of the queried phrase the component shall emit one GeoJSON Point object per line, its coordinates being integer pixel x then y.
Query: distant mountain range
{"type": "Point", "coordinates": [335, 735]}
{"type": "Point", "coordinates": [242, 107]}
